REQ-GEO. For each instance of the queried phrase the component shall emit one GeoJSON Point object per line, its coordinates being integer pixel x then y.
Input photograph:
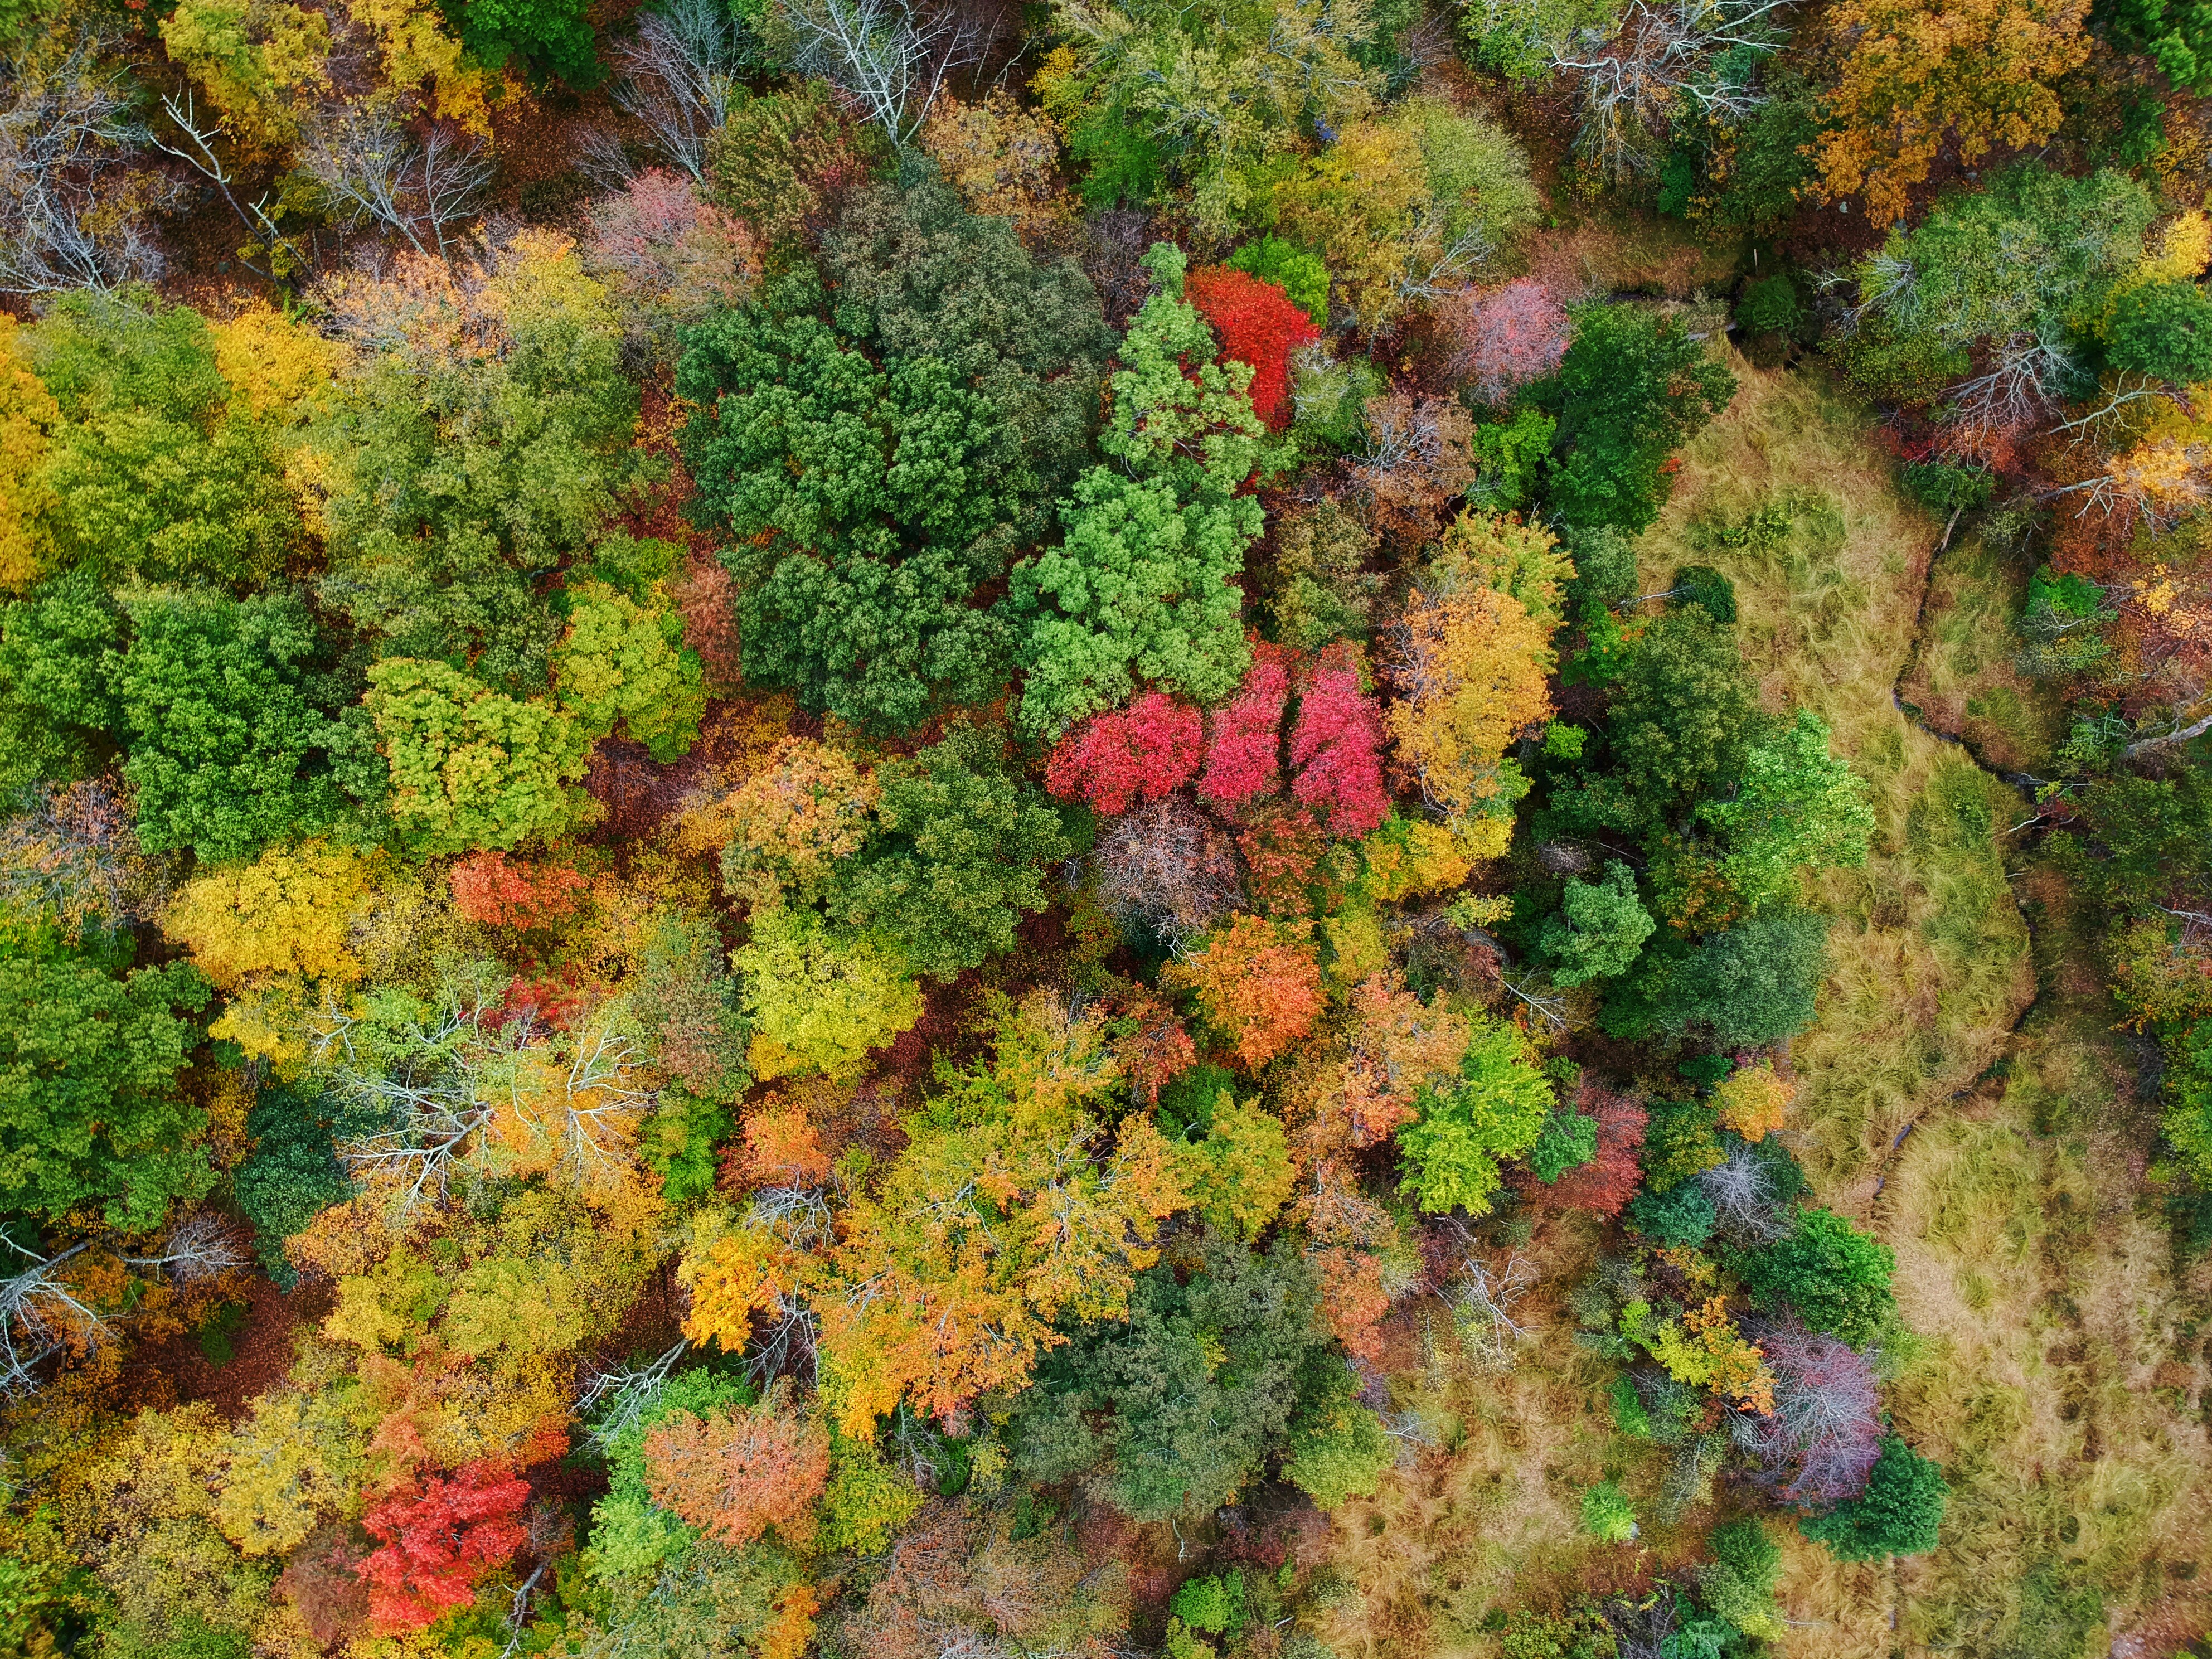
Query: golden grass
{"type": "Point", "coordinates": [1963, 681]}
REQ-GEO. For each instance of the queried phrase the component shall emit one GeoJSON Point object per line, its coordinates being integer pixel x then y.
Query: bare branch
{"type": "Point", "coordinates": [677, 75]}
{"type": "Point", "coordinates": [377, 173]}
{"type": "Point", "coordinates": [890, 57]}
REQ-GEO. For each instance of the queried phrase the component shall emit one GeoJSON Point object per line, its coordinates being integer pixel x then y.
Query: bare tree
{"type": "Point", "coordinates": [612, 1401]}
{"type": "Point", "coordinates": [202, 1246]}
{"type": "Point", "coordinates": [71, 204]}
{"type": "Point", "coordinates": [1165, 866]}
{"type": "Point", "coordinates": [379, 173]}
{"type": "Point", "coordinates": [1820, 1441]}
{"type": "Point", "coordinates": [1658, 61]}
{"type": "Point", "coordinates": [39, 1317]}
{"type": "Point", "coordinates": [194, 145]}
{"type": "Point", "coordinates": [892, 58]}
{"type": "Point", "coordinates": [677, 75]}
{"type": "Point", "coordinates": [73, 849]}
{"type": "Point", "coordinates": [1751, 1204]}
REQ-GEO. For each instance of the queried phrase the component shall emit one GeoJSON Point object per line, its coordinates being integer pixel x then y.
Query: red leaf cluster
{"type": "Point", "coordinates": [1117, 758]}
{"type": "Point", "coordinates": [1154, 1050]}
{"type": "Point", "coordinates": [438, 1537]}
{"type": "Point", "coordinates": [1257, 325]}
{"type": "Point", "coordinates": [488, 889]}
{"type": "Point", "coordinates": [735, 1474]}
{"type": "Point", "coordinates": [1337, 747]}
{"type": "Point", "coordinates": [1244, 736]}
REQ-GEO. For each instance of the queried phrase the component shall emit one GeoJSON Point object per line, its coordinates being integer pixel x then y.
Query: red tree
{"type": "Point", "coordinates": [1114, 759]}
{"type": "Point", "coordinates": [438, 1537]}
{"type": "Point", "coordinates": [489, 889]}
{"type": "Point", "coordinates": [1243, 737]}
{"type": "Point", "coordinates": [1259, 325]}
{"type": "Point", "coordinates": [1150, 1044]}
{"type": "Point", "coordinates": [1337, 747]}
{"type": "Point", "coordinates": [1506, 337]}
{"type": "Point", "coordinates": [1609, 1179]}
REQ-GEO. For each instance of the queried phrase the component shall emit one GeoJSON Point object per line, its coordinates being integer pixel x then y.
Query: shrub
{"type": "Point", "coordinates": [1900, 1512]}
{"type": "Point", "coordinates": [1836, 1277]}
{"type": "Point", "coordinates": [1681, 1218]}
{"type": "Point", "coordinates": [1301, 276]}
{"type": "Point", "coordinates": [1608, 1515]}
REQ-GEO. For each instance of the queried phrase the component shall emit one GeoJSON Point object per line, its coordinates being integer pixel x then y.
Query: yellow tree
{"type": "Point", "coordinates": [1468, 664]}
{"type": "Point", "coordinates": [1919, 75]}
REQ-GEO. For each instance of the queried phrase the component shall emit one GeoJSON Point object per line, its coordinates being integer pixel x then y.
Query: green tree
{"type": "Point", "coordinates": [223, 706]}
{"type": "Point", "coordinates": [58, 711]}
{"type": "Point", "coordinates": [551, 36]}
{"type": "Point", "coordinates": [1337, 1449]}
{"type": "Point", "coordinates": [1600, 927]}
{"type": "Point", "coordinates": [1173, 1411]}
{"type": "Point", "coordinates": [2163, 330]}
{"type": "Point", "coordinates": [1835, 1277]}
{"type": "Point", "coordinates": [1796, 807]}
{"type": "Point", "coordinates": [819, 1002]}
{"type": "Point", "coordinates": [1632, 388]}
{"type": "Point", "coordinates": [957, 856]}
{"type": "Point", "coordinates": [1497, 1111]}
{"type": "Point", "coordinates": [89, 1052]}
{"type": "Point", "coordinates": [865, 505]}
{"type": "Point", "coordinates": [1141, 586]}
{"type": "Point", "coordinates": [1752, 986]}
{"type": "Point", "coordinates": [469, 767]}
{"type": "Point", "coordinates": [1899, 1513]}
{"type": "Point", "coordinates": [292, 1175]}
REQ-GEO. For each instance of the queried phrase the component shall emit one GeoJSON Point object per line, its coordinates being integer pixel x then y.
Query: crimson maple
{"type": "Point", "coordinates": [438, 1538]}
{"type": "Point", "coordinates": [1122, 756]}
{"type": "Point", "coordinates": [1243, 739]}
{"type": "Point", "coordinates": [1257, 325]}
{"type": "Point", "coordinates": [1337, 747]}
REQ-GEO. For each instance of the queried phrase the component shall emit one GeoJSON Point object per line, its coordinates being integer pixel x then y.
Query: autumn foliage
{"type": "Point", "coordinates": [735, 1473]}
{"type": "Point", "coordinates": [1337, 747]}
{"type": "Point", "coordinates": [1259, 984]}
{"type": "Point", "coordinates": [1114, 759]}
{"type": "Point", "coordinates": [1606, 1183]}
{"type": "Point", "coordinates": [490, 888]}
{"type": "Point", "coordinates": [1243, 739]}
{"type": "Point", "coordinates": [437, 1538]}
{"type": "Point", "coordinates": [1257, 325]}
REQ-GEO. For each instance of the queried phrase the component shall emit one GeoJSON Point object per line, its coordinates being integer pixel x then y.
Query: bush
{"type": "Point", "coordinates": [1299, 274]}
{"type": "Point", "coordinates": [1703, 586]}
{"type": "Point", "coordinates": [1681, 1218]}
{"type": "Point", "coordinates": [1769, 307]}
{"type": "Point", "coordinates": [1944, 490]}
{"type": "Point", "coordinates": [1608, 1515]}
{"type": "Point", "coordinates": [1900, 1512]}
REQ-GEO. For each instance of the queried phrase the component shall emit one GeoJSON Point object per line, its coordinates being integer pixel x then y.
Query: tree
{"type": "Point", "coordinates": [1362, 204]}
{"type": "Point", "coordinates": [784, 161]}
{"type": "Point", "coordinates": [1599, 929]}
{"type": "Point", "coordinates": [1468, 664]}
{"type": "Point", "coordinates": [867, 504]}
{"type": "Point", "coordinates": [1505, 338]}
{"type": "Point", "coordinates": [489, 889]}
{"type": "Point", "coordinates": [1003, 161]}
{"type": "Point", "coordinates": [1676, 727]}
{"type": "Point", "coordinates": [1339, 1453]}
{"type": "Point", "coordinates": [469, 767]}
{"type": "Point", "coordinates": [288, 912]}
{"type": "Point", "coordinates": [1795, 808]}
{"type": "Point", "coordinates": [1257, 325]}
{"type": "Point", "coordinates": [620, 666]}
{"type": "Point", "coordinates": [2163, 330]}
{"type": "Point", "coordinates": [292, 1174]}
{"type": "Point", "coordinates": [1631, 387]}
{"type": "Point", "coordinates": [1174, 1411]}
{"type": "Point", "coordinates": [1118, 757]}
{"type": "Point", "coordinates": [669, 259]}
{"type": "Point", "coordinates": [58, 707]}
{"type": "Point", "coordinates": [258, 64]}
{"type": "Point", "coordinates": [956, 858]}
{"type": "Point", "coordinates": [1495, 1110]}
{"type": "Point", "coordinates": [1258, 983]}
{"type": "Point", "coordinates": [1610, 1179]}
{"type": "Point", "coordinates": [1243, 739]}
{"type": "Point", "coordinates": [552, 36]}
{"type": "Point", "coordinates": [737, 1471]}
{"type": "Point", "coordinates": [1318, 588]}
{"type": "Point", "coordinates": [1970, 75]}
{"type": "Point", "coordinates": [1835, 1277]}
{"type": "Point", "coordinates": [89, 1110]}
{"type": "Point", "coordinates": [819, 1003]}
{"type": "Point", "coordinates": [1301, 275]}
{"type": "Point", "coordinates": [1336, 747]}
{"type": "Point", "coordinates": [1239, 1175]}
{"type": "Point", "coordinates": [223, 704]}
{"type": "Point", "coordinates": [1751, 1100]}
{"type": "Point", "coordinates": [1168, 868]}
{"type": "Point", "coordinates": [1821, 1442]}
{"type": "Point", "coordinates": [793, 821]}
{"type": "Point", "coordinates": [436, 1538]}
{"type": "Point", "coordinates": [1754, 985]}
{"type": "Point", "coordinates": [1899, 1513]}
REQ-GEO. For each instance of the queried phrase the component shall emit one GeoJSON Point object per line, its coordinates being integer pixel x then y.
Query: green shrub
{"type": "Point", "coordinates": [1899, 1513]}
{"type": "Point", "coordinates": [1836, 1277]}
{"type": "Point", "coordinates": [1608, 1515]}
{"type": "Point", "coordinates": [1299, 274]}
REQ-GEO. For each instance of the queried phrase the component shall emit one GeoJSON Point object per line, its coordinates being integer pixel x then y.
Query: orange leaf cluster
{"type": "Point", "coordinates": [1259, 984]}
{"type": "Point", "coordinates": [735, 1473]}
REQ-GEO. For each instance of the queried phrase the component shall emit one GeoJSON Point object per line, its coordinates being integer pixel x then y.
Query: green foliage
{"type": "Point", "coordinates": [292, 1177]}
{"type": "Point", "coordinates": [1299, 274]}
{"type": "Point", "coordinates": [1330, 399]}
{"type": "Point", "coordinates": [621, 664]}
{"type": "Point", "coordinates": [1738, 1583]}
{"type": "Point", "coordinates": [1769, 306]}
{"type": "Point", "coordinates": [1679, 1142]}
{"type": "Point", "coordinates": [551, 36]}
{"type": "Point", "coordinates": [1478, 173]}
{"type": "Point", "coordinates": [820, 1001]}
{"type": "Point", "coordinates": [1608, 1515]}
{"type": "Point", "coordinates": [2163, 330]}
{"type": "Point", "coordinates": [1497, 1111]}
{"type": "Point", "coordinates": [1900, 1512]}
{"type": "Point", "coordinates": [1320, 588]}
{"type": "Point", "coordinates": [1680, 1218]}
{"type": "Point", "coordinates": [57, 705]}
{"type": "Point", "coordinates": [1518, 38]}
{"type": "Point", "coordinates": [783, 159]}
{"type": "Point", "coordinates": [1836, 1277]}
{"type": "Point", "coordinates": [867, 505]}
{"type": "Point", "coordinates": [1567, 1141]}
{"type": "Point", "coordinates": [1605, 565]}
{"type": "Point", "coordinates": [1509, 459]}
{"type": "Point", "coordinates": [916, 276]}
{"type": "Point", "coordinates": [221, 702]}
{"type": "Point", "coordinates": [89, 1110]}
{"type": "Point", "coordinates": [1706, 588]}
{"type": "Point", "coordinates": [1632, 387]}
{"type": "Point", "coordinates": [1213, 1604]}
{"type": "Point", "coordinates": [1944, 489]}
{"type": "Point", "coordinates": [470, 767]}
{"type": "Point", "coordinates": [679, 1141]}
{"type": "Point", "coordinates": [1750, 986]}
{"type": "Point", "coordinates": [958, 857]}
{"type": "Point", "coordinates": [2175, 35]}
{"type": "Point", "coordinates": [866, 1501]}
{"type": "Point", "coordinates": [1175, 1410]}
{"type": "Point", "coordinates": [1339, 1449]}
{"type": "Point", "coordinates": [1796, 809]}
{"type": "Point", "coordinates": [1600, 928]}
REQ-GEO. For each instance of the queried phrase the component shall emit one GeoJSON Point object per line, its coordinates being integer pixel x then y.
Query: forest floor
{"type": "Point", "coordinates": [1964, 1094]}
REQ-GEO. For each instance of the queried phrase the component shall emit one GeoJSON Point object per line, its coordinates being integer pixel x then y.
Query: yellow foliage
{"type": "Point", "coordinates": [1751, 1100]}
{"type": "Point", "coordinates": [275, 366]}
{"type": "Point", "coordinates": [1491, 550]}
{"type": "Point", "coordinates": [259, 61]}
{"type": "Point", "coordinates": [1470, 669]}
{"type": "Point", "coordinates": [27, 414]}
{"type": "Point", "coordinates": [2184, 248]}
{"type": "Point", "coordinates": [1354, 205]}
{"type": "Point", "coordinates": [288, 912]}
{"type": "Point", "coordinates": [283, 1468]}
{"type": "Point", "coordinates": [1002, 160]}
{"type": "Point", "coordinates": [1409, 859]}
{"type": "Point", "coordinates": [420, 56]}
